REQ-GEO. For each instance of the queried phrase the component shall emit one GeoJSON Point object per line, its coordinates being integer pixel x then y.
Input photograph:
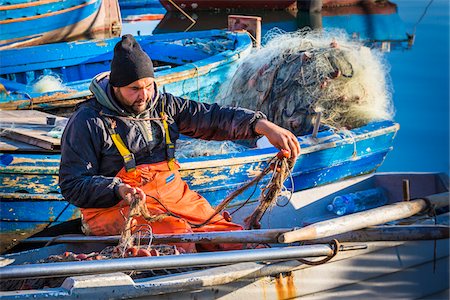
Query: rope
{"type": "Point", "coordinates": [270, 193]}
{"type": "Point", "coordinates": [197, 73]}
{"type": "Point", "coordinates": [219, 207]}
{"type": "Point", "coordinates": [422, 16]}
{"type": "Point", "coordinates": [257, 44]}
{"type": "Point", "coordinates": [137, 208]}
{"type": "Point", "coordinates": [185, 14]}
{"type": "Point", "coordinates": [348, 134]}
{"type": "Point", "coordinates": [334, 244]}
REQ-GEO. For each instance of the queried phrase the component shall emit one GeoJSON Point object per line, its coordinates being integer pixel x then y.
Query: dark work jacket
{"type": "Point", "coordinates": [90, 160]}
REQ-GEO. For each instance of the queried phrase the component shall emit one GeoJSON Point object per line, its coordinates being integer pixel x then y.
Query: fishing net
{"type": "Point", "coordinates": [49, 83]}
{"type": "Point", "coordinates": [187, 148]}
{"type": "Point", "coordinates": [207, 45]}
{"type": "Point", "coordinates": [295, 75]}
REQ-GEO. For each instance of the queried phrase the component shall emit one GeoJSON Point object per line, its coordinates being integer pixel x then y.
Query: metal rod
{"type": "Point", "coordinates": [269, 236]}
{"type": "Point", "coordinates": [406, 190]}
{"type": "Point", "coordinates": [162, 262]}
{"type": "Point", "coordinates": [239, 236]}
{"type": "Point", "coordinates": [392, 233]}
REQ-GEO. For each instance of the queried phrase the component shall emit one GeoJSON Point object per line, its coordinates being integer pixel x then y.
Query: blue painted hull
{"type": "Point", "coordinates": [32, 178]}
{"type": "Point", "coordinates": [140, 4]}
{"type": "Point", "coordinates": [77, 62]}
{"type": "Point", "coordinates": [39, 22]}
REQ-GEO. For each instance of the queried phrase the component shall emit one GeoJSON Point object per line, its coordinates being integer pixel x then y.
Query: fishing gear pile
{"type": "Point", "coordinates": [295, 75]}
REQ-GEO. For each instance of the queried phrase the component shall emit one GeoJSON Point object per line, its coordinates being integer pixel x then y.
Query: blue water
{"type": "Point", "coordinates": [420, 74]}
{"type": "Point", "coordinates": [421, 91]}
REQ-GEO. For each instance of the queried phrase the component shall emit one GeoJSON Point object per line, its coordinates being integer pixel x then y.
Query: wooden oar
{"type": "Point", "coordinates": [364, 219]}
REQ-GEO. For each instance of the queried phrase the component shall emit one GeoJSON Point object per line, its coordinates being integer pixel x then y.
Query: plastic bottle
{"type": "Point", "coordinates": [359, 201]}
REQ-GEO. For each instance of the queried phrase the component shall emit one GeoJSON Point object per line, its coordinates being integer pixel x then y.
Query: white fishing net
{"type": "Point", "coordinates": [295, 75]}
{"type": "Point", "coordinates": [49, 83]}
{"type": "Point", "coordinates": [207, 45]}
{"type": "Point", "coordinates": [186, 148]}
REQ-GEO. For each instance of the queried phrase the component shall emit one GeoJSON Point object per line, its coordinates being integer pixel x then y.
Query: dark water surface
{"type": "Point", "coordinates": [419, 73]}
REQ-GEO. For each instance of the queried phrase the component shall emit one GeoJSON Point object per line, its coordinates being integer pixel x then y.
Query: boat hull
{"type": "Point", "coordinates": [58, 21]}
{"type": "Point", "coordinates": [403, 268]}
{"type": "Point", "coordinates": [32, 178]}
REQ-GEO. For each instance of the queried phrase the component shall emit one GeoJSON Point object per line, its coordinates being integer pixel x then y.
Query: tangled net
{"type": "Point", "coordinates": [187, 148]}
{"type": "Point", "coordinates": [129, 245]}
{"type": "Point", "coordinates": [299, 74]}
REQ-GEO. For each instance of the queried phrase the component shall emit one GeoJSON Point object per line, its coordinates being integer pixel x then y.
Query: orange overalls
{"type": "Point", "coordinates": [158, 181]}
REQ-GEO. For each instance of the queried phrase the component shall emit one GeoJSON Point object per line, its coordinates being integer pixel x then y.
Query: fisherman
{"type": "Point", "coordinates": [119, 145]}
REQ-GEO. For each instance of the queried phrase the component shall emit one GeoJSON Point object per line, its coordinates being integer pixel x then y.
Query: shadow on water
{"type": "Point", "coordinates": [372, 23]}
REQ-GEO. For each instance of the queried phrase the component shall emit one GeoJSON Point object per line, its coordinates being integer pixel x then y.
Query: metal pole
{"type": "Point", "coordinates": [406, 190]}
{"type": "Point", "coordinates": [270, 236]}
{"type": "Point", "coordinates": [265, 236]}
{"type": "Point", "coordinates": [161, 262]}
{"type": "Point", "coordinates": [392, 233]}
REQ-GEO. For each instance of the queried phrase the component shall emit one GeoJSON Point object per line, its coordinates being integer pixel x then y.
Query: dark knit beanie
{"type": "Point", "coordinates": [130, 63]}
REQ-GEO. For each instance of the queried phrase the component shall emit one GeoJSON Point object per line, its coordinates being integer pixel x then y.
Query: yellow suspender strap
{"type": "Point", "coordinates": [128, 157]}
{"type": "Point", "coordinates": [170, 148]}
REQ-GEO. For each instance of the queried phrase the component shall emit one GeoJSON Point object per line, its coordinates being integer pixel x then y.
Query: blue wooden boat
{"type": "Point", "coordinates": [408, 258]}
{"type": "Point", "coordinates": [183, 60]}
{"type": "Point", "coordinates": [31, 199]}
{"type": "Point", "coordinates": [141, 10]}
{"type": "Point", "coordinates": [27, 23]}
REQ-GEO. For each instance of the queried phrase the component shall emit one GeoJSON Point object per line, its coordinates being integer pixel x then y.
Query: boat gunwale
{"type": "Point", "coordinates": [248, 156]}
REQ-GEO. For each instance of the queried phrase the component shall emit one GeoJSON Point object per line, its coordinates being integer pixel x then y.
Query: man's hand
{"type": "Point", "coordinates": [127, 192]}
{"type": "Point", "coordinates": [279, 137]}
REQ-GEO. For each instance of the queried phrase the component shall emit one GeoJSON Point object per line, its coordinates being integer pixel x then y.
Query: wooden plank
{"type": "Point", "coordinates": [8, 145]}
{"type": "Point", "coordinates": [30, 127]}
{"type": "Point", "coordinates": [24, 117]}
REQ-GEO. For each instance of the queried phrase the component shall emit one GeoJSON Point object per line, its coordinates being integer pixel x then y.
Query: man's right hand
{"type": "Point", "coordinates": [127, 192]}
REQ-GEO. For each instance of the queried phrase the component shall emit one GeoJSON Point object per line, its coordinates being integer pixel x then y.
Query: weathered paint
{"type": "Point", "coordinates": [32, 184]}
{"type": "Point", "coordinates": [48, 21]}
{"type": "Point", "coordinates": [200, 76]}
